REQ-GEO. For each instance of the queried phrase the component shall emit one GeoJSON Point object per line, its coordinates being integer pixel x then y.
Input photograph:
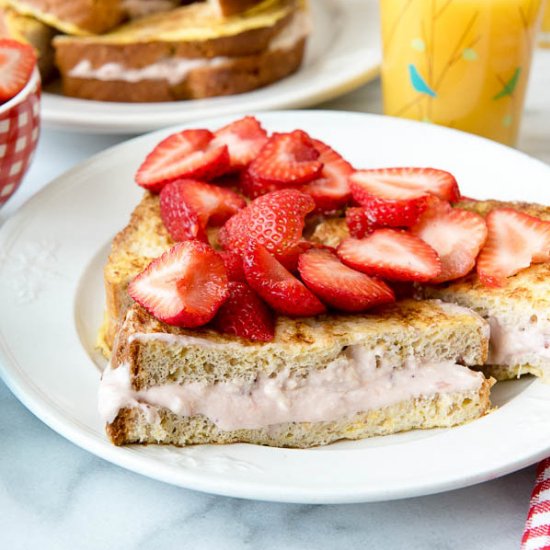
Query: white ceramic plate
{"type": "Point", "coordinates": [51, 257]}
{"type": "Point", "coordinates": [343, 53]}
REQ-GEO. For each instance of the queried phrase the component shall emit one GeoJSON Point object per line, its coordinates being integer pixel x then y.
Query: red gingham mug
{"type": "Point", "coordinates": [19, 129]}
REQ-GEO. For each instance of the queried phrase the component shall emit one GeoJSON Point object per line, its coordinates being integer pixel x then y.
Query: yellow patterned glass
{"type": "Point", "coordinates": [545, 29]}
{"type": "Point", "coordinates": [460, 63]}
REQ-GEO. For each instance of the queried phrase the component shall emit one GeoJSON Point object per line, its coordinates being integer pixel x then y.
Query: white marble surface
{"type": "Point", "coordinates": [54, 496]}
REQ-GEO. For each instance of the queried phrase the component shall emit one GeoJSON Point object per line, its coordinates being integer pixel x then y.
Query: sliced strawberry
{"type": "Point", "coordinates": [244, 138]}
{"type": "Point", "coordinates": [277, 286]}
{"type": "Point", "coordinates": [331, 190]}
{"type": "Point", "coordinates": [275, 220]}
{"type": "Point", "coordinates": [287, 160]}
{"type": "Point", "coordinates": [17, 62]}
{"type": "Point", "coordinates": [393, 255]}
{"type": "Point", "coordinates": [389, 206]}
{"type": "Point", "coordinates": [407, 183]}
{"type": "Point", "coordinates": [290, 258]}
{"type": "Point", "coordinates": [515, 241]}
{"type": "Point", "coordinates": [184, 287]}
{"type": "Point", "coordinates": [253, 188]}
{"type": "Point", "coordinates": [244, 314]}
{"type": "Point", "coordinates": [188, 206]}
{"type": "Point", "coordinates": [456, 235]}
{"type": "Point", "coordinates": [359, 222]}
{"type": "Point", "coordinates": [340, 286]}
{"type": "Point", "coordinates": [233, 266]}
{"type": "Point", "coordinates": [187, 154]}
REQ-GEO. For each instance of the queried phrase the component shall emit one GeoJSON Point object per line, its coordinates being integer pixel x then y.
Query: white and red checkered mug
{"type": "Point", "coordinates": [19, 130]}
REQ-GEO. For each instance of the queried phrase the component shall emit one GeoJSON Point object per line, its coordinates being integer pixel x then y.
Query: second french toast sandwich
{"type": "Point", "coordinates": [190, 52]}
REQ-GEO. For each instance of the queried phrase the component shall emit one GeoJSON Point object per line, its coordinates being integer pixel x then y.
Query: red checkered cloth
{"type": "Point", "coordinates": [537, 528]}
{"type": "Point", "coordinates": [19, 128]}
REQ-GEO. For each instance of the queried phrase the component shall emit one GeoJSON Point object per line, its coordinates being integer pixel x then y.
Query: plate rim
{"type": "Point", "coordinates": [146, 465]}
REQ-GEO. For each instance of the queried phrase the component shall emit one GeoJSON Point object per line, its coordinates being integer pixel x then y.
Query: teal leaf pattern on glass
{"type": "Point", "coordinates": [419, 84]}
{"type": "Point", "coordinates": [509, 86]}
{"type": "Point", "coordinates": [469, 54]}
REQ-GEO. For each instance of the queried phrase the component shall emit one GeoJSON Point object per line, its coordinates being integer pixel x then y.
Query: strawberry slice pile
{"type": "Point", "coordinates": [17, 62]}
{"type": "Point", "coordinates": [262, 191]}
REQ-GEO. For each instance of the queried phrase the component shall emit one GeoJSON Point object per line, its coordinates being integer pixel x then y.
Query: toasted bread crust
{"type": "Point", "coordinates": [142, 240]}
{"type": "Point", "coordinates": [299, 344]}
{"type": "Point", "coordinates": [240, 56]}
{"type": "Point", "coordinates": [77, 17]}
{"type": "Point", "coordinates": [145, 238]}
{"type": "Point", "coordinates": [484, 207]}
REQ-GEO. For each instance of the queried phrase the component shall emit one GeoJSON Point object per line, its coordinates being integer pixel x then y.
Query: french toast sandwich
{"type": "Point", "coordinates": [310, 376]}
{"type": "Point", "coordinates": [265, 291]}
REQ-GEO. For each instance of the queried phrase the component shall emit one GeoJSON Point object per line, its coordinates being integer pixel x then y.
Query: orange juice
{"type": "Point", "coordinates": [545, 34]}
{"type": "Point", "coordinates": [461, 63]}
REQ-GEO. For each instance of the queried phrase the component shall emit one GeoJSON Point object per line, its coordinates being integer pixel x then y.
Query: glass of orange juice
{"type": "Point", "coordinates": [460, 63]}
{"type": "Point", "coordinates": [545, 29]}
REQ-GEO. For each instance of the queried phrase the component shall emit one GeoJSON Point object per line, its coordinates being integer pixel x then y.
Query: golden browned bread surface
{"type": "Point", "coordinates": [431, 330]}
{"type": "Point", "coordinates": [78, 17]}
{"type": "Point", "coordinates": [142, 240]}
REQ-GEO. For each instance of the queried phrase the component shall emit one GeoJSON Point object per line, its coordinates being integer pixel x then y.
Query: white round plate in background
{"type": "Point", "coordinates": [52, 253]}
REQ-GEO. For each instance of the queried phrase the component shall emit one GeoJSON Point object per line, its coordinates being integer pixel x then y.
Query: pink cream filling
{"type": "Point", "coordinates": [357, 381]}
{"type": "Point", "coordinates": [515, 345]}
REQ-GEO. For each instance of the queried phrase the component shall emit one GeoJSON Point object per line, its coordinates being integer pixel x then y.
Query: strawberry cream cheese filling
{"type": "Point", "coordinates": [518, 344]}
{"type": "Point", "coordinates": [358, 380]}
